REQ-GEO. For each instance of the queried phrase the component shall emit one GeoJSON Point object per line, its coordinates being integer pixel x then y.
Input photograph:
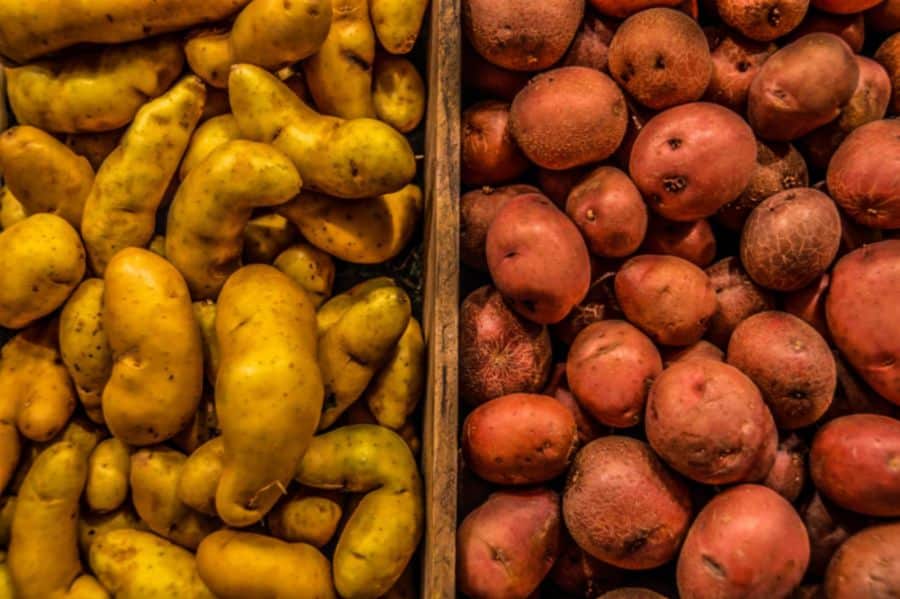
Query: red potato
{"type": "Point", "coordinates": [737, 298]}
{"type": "Point", "coordinates": [537, 259]}
{"type": "Point", "coordinates": [489, 79]}
{"type": "Point", "coordinates": [701, 349]}
{"type": "Point", "coordinates": [854, 396]}
{"type": "Point", "coordinates": [589, 129]}
{"type": "Point", "coordinates": [610, 367]}
{"type": "Point", "coordinates": [736, 61]}
{"type": "Point", "coordinates": [788, 473]}
{"type": "Point", "coordinates": [556, 185]}
{"type": "Point", "coordinates": [844, 7]}
{"type": "Point", "coordinates": [864, 174]}
{"type": "Point", "coordinates": [588, 428]}
{"type": "Point", "coordinates": [762, 20]}
{"type": "Point", "coordinates": [519, 439]}
{"type": "Point", "coordinates": [827, 526]}
{"type": "Point", "coordinates": [670, 299]}
{"type": "Point", "coordinates": [851, 28]}
{"type": "Point", "coordinates": [855, 462]}
{"type": "Point", "coordinates": [808, 304]}
{"type": "Point", "coordinates": [578, 573]}
{"type": "Point", "coordinates": [888, 54]}
{"type": "Point", "coordinates": [591, 45]}
{"type": "Point", "coordinates": [866, 565]}
{"type": "Point", "coordinates": [692, 241]}
{"type": "Point", "coordinates": [623, 507]}
{"type": "Point", "coordinates": [489, 154]}
{"type": "Point", "coordinates": [747, 542]}
{"type": "Point", "coordinates": [507, 546]}
{"type": "Point", "coordinates": [708, 421]}
{"type": "Point", "coordinates": [621, 9]}
{"type": "Point", "coordinates": [600, 304]}
{"type": "Point", "coordinates": [500, 352]}
{"type": "Point", "coordinates": [477, 209]}
{"type": "Point", "coordinates": [691, 160]}
{"type": "Point", "coordinates": [862, 313]}
{"type": "Point", "coordinates": [609, 211]}
{"type": "Point", "coordinates": [884, 17]}
{"type": "Point", "coordinates": [638, 117]}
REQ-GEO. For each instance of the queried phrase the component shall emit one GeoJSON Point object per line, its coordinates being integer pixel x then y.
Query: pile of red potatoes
{"type": "Point", "coordinates": [680, 339]}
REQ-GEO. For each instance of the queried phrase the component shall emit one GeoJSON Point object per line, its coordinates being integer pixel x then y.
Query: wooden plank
{"type": "Point", "coordinates": [441, 301]}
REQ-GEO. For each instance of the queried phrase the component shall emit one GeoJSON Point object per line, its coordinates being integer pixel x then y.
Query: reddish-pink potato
{"type": "Point", "coordinates": [788, 472]}
{"type": "Point", "coordinates": [828, 526]}
{"type": "Point", "coordinates": [762, 20]}
{"type": "Point", "coordinates": [669, 298]}
{"type": "Point", "coordinates": [790, 239]}
{"type": "Point", "coordinates": [855, 462]}
{"type": "Point", "coordinates": [736, 61]}
{"type": "Point", "coordinates": [500, 352]}
{"type": "Point", "coordinates": [737, 298]}
{"type": "Point", "coordinates": [747, 542]}
{"type": "Point", "coordinates": [588, 129]}
{"type": "Point", "coordinates": [600, 304]}
{"type": "Point", "coordinates": [691, 160]}
{"type": "Point", "coordinates": [884, 17]}
{"type": "Point", "coordinates": [477, 209]}
{"type": "Point", "coordinates": [489, 154]}
{"type": "Point", "coordinates": [854, 396]}
{"type": "Point", "coordinates": [862, 313]}
{"type": "Point", "coordinates": [808, 304]}
{"type": "Point", "coordinates": [610, 368]}
{"type": "Point", "coordinates": [866, 565]}
{"type": "Point", "coordinates": [888, 54]}
{"type": "Point", "coordinates": [622, 506]}
{"type": "Point", "coordinates": [844, 7]}
{"type": "Point", "coordinates": [701, 349]}
{"type": "Point", "coordinates": [537, 258]}
{"type": "Point", "coordinates": [625, 8]}
{"type": "Point", "coordinates": [693, 241]}
{"type": "Point", "coordinates": [790, 363]}
{"type": "Point", "coordinates": [708, 421]}
{"type": "Point", "coordinates": [588, 428]}
{"type": "Point", "coordinates": [591, 45]}
{"type": "Point", "coordinates": [556, 185]}
{"type": "Point", "coordinates": [507, 546]}
{"type": "Point", "coordinates": [851, 28]}
{"type": "Point", "coordinates": [488, 79]}
{"type": "Point", "coordinates": [582, 575]}
{"type": "Point", "coordinates": [864, 174]}
{"type": "Point", "coordinates": [609, 211]}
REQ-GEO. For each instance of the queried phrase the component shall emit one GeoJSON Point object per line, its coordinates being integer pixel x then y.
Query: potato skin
{"type": "Point", "coordinates": [700, 349]}
{"type": "Point", "coordinates": [488, 79]}
{"type": "Point", "coordinates": [762, 20]}
{"type": "Point", "coordinates": [691, 160]}
{"type": "Point", "coordinates": [735, 62]}
{"type": "Point", "coordinates": [888, 54]}
{"type": "Point", "coordinates": [808, 304]}
{"type": "Point", "coordinates": [625, 8]}
{"type": "Point", "coordinates": [589, 130]}
{"type": "Point", "coordinates": [708, 421]}
{"type": "Point", "coordinates": [788, 473]}
{"type": "Point", "coordinates": [693, 241]}
{"type": "Point", "coordinates": [669, 298]}
{"type": "Point", "coordinates": [590, 48]}
{"type": "Point", "coordinates": [866, 565]}
{"type": "Point", "coordinates": [107, 476]}
{"type": "Point", "coordinates": [828, 526]}
{"type": "Point", "coordinates": [624, 507]}
{"type": "Point", "coordinates": [851, 28]}
{"type": "Point", "coordinates": [489, 152]}
{"type": "Point", "coordinates": [537, 259]}
{"type": "Point", "coordinates": [852, 462]}
{"type": "Point", "coordinates": [737, 298]}
{"type": "Point", "coordinates": [864, 284]}
{"type": "Point", "coordinates": [747, 542]}
{"type": "Point", "coordinates": [477, 209]}
{"type": "Point", "coordinates": [884, 17]}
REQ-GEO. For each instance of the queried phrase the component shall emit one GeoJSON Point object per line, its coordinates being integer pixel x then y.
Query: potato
{"type": "Point", "coordinates": [11, 209]}
{"type": "Point", "coordinates": [269, 389]}
{"type": "Point", "coordinates": [691, 160]}
{"type": "Point", "coordinates": [205, 315]}
{"type": "Point", "coordinates": [7, 510]}
{"type": "Point", "coordinates": [332, 155]}
{"type": "Point", "coordinates": [693, 241]}
{"type": "Point", "coordinates": [808, 304]}
{"type": "Point", "coordinates": [865, 183]}
{"type": "Point", "coordinates": [121, 209]}
{"type": "Point", "coordinates": [590, 129]}
{"type": "Point", "coordinates": [623, 507]}
{"type": "Point", "coordinates": [843, 6]}
{"type": "Point", "coordinates": [92, 526]}
{"type": "Point", "coordinates": [852, 463]}
{"type": "Point", "coordinates": [669, 298]}
{"type": "Point", "coordinates": [488, 79]}
{"type": "Point", "coordinates": [383, 531]}
{"type": "Point", "coordinates": [508, 544]}
{"type": "Point", "coordinates": [700, 349]}
{"type": "Point", "coordinates": [334, 309]}
{"type": "Point", "coordinates": [863, 285]}
{"type": "Point", "coordinates": [788, 473]}
{"type": "Point", "coordinates": [397, 23]}
{"type": "Point", "coordinates": [305, 516]}
{"type": "Point", "coordinates": [888, 54]}
{"type": "Point", "coordinates": [209, 136]}
{"type": "Point", "coordinates": [580, 574]}
{"type": "Point", "coordinates": [884, 17]}
{"type": "Point", "coordinates": [43, 174]}
{"type": "Point", "coordinates": [851, 28]}
{"type": "Point", "coordinates": [660, 57]}
{"type": "Point", "coordinates": [590, 48]}
{"type": "Point", "coordinates": [599, 304]}
{"type": "Point", "coordinates": [43, 259]}
{"type": "Point", "coordinates": [762, 20]}
{"type": "Point", "coordinates": [96, 147]}
{"type": "Point", "coordinates": [108, 471]}
{"type": "Point", "coordinates": [827, 526]}
{"type": "Point", "coordinates": [747, 542]}
{"type": "Point", "coordinates": [793, 94]}
{"type": "Point", "coordinates": [790, 239]}
{"type": "Point", "coordinates": [737, 298]}
{"type": "Point", "coordinates": [631, 593]}
{"type": "Point", "coordinates": [199, 476]}
{"type": "Point", "coordinates": [557, 185]}
{"type": "Point", "coordinates": [708, 421]}
{"type": "Point", "coordinates": [477, 209]}
{"type": "Point", "coordinates": [854, 396]}
{"type": "Point", "coordinates": [398, 92]}
{"type": "Point", "coordinates": [526, 237]}
{"type": "Point", "coordinates": [521, 35]}
{"type": "Point", "coordinates": [155, 385]}
{"type": "Point", "coordinates": [588, 428]}
{"type": "Point", "coordinates": [98, 90]}
{"type": "Point", "coordinates": [610, 367]}
{"type": "Point", "coordinates": [866, 565]}
{"type": "Point", "coordinates": [4, 113]}
{"type": "Point", "coordinates": [395, 391]}
{"type": "Point", "coordinates": [609, 211]}
{"type": "Point", "coordinates": [141, 565]}
{"type": "Point", "coordinates": [310, 268]}
{"type": "Point", "coordinates": [489, 154]}
{"type": "Point", "coordinates": [735, 63]}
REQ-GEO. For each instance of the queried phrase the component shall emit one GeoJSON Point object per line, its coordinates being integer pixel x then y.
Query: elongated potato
{"type": "Point", "coordinates": [398, 93]}
{"type": "Point", "coordinates": [100, 90]}
{"type": "Point", "coordinates": [397, 23]}
{"type": "Point", "coordinates": [200, 476]}
{"type": "Point", "coordinates": [109, 467]}
{"type": "Point", "coordinates": [269, 389]}
{"type": "Point", "coordinates": [382, 533]}
{"type": "Point", "coordinates": [208, 137]}
{"type": "Point", "coordinates": [43, 174]}
{"type": "Point", "coordinates": [121, 209]}
{"type": "Point", "coordinates": [205, 314]}
{"type": "Point", "coordinates": [157, 373]}
{"type": "Point", "coordinates": [395, 391]}
{"type": "Point", "coordinates": [11, 209]}
{"type": "Point", "coordinates": [310, 268]}
{"type": "Point", "coordinates": [204, 234]}
{"type": "Point", "coordinates": [350, 159]}
{"type": "Point", "coordinates": [306, 516]}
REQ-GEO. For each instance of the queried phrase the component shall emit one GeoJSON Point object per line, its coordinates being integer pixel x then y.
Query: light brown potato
{"type": "Point", "coordinates": [866, 565]}
{"type": "Point", "coordinates": [762, 20]}
{"type": "Point", "coordinates": [737, 298]}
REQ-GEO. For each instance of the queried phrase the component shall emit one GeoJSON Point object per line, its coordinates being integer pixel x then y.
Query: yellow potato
{"type": "Point", "coordinates": [240, 565]}
{"type": "Point", "coordinates": [204, 232]}
{"type": "Point", "coordinates": [306, 516]}
{"type": "Point", "coordinates": [96, 147]}
{"type": "Point", "coordinates": [381, 535]}
{"type": "Point", "coordinates": [43, 551]}
{"type": "Point", "coordinates": [363, 232]}
{"type": "Point", "coordinates": [310, 268]}
{"type": "Point", "coordinates": [99, 90]}
{"type": "Point", "coordinates": [395, 391]}
{"type": "Point", "coordinates": [268, 391]}
{"type": "Point", "coordinates": [7, 590]}
{"type": "Point", "coordinates": [332, 310]}
{"type": "Point", "coordinates": [209, 136]}
{"type": "Point", "coordinates": [266, 236]}
{"type": "Point", "coordinates": [91, 526]}
{"type": "Point", "coordinates": [205, 314]}
{"type": "Point", "coordinates": [267, 33]}
{"type": "Point", "coordinates": [198, 430]}
{"type": "Point", "coordinates": [84, 346]}
{"type": "Point", "coordinates": [11, 209]}
{"type": "Point", "coordinates": [43, 174]}
{"type": "Point", "coordinates": [43, 261]}
{"type": "Point", "coordinates": [4, 115]}
{"type": "Point", "coordinates": [216, 103]}
{"type": "Point", "coordinates": [200, 476]}
{"type": "Point", "coordinates": [405, 587]}
{"type": "Point", "coordinates": [109, 468]}
{"type": "Point", "coordinates": [157, 374]}
{"type": "Point", "coordinates": [7, 510]}
{"type": "Point", "coordinates": [297, 84]}
{"type": "Point", "coordinates": [158, 245]}
{"type": "Point", "coordinates": [345, 158]}
{"type": "Point", "coordinates": [397, 23]}
{"type": "Point", "coordinates": [399, 93]}
{"type": "Point", "coordinates": [134, 564]}
{"type": "Point", "coordinates": [359, 413]}
{"type": "Point", "coordinates": [120, 211]}
{"type": "Point", "coordinates": [339, 75]}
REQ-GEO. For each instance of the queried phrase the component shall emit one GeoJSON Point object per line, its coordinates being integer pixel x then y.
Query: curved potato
{"type": "Point", "coordinates": [109, 468]}
{"type": "Point", "coordinates": [92, 526]}
{"type": "Point", "coordinates": [335, 308]}
{"type": "Point", "coordinates": [306, 517]}
{"type": "Point", "coordinates": [200, 476]}
{"type": "Point", "coordinates": [395, 391]}
{"type": "Point", "coordinates": [209, 136]}
{"type": "Point", "coordinates": [398, 93]}
{"type": "Point", "coordinates": [310, 268]}
{"type": "Point", "coordinates": [266, 236]}
{"type": "Point", "coordinates": [11, 209]}
{"type": "Point", "coordinates": [205, 314]}
{"type": "Point", "coordinates": [397, 23]}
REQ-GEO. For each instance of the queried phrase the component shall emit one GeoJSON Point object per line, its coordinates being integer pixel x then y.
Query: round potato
{"type": "Point", "coordinates": [701, 349]}
{"type": "Point", "coordinates": [737, 298]}
{"type": "Point", "coordinates": [557, 185]}
{"type": "Point", "coordinates": [762, 20]}
{"type": "Point", "coordinates": [600, 304]}
{"type": "Point", "coordinates": [477, 209]}
{"type": "Point", "coordinates": [736, 61]}
{"type": "Point", "coordinates": [866, 565]}
{"type": "Point", "coordinates": [693, 241]}
{"type": "Point", "coordinates": [788, 473]}
{"type": "Point", "coordinates": [609, 211]}
{"type": "Point", "coordinates": [489, 153]}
